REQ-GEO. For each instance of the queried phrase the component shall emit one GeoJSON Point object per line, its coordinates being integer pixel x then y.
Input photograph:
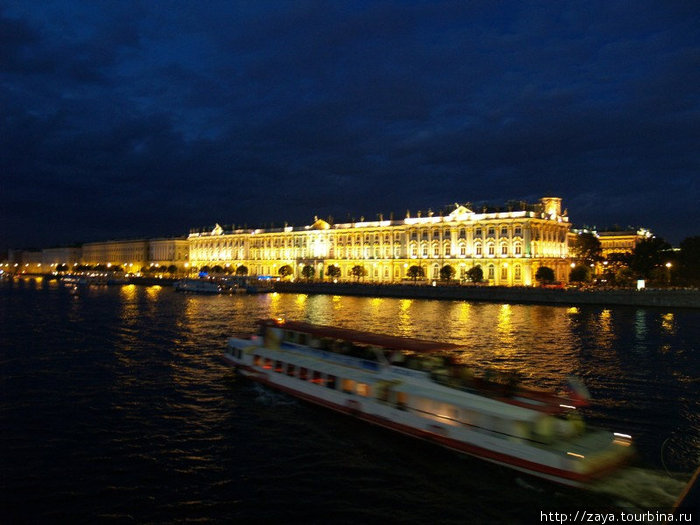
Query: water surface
{"type": "Point", "coordinates": [115, 406]}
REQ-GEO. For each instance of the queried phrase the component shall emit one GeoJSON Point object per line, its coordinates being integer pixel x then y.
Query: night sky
{"type": "Point", "coordinates": [145, 119]}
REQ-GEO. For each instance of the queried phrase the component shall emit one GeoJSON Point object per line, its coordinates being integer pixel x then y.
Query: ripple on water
{"type": "Point", "coordinates": [115, 405]}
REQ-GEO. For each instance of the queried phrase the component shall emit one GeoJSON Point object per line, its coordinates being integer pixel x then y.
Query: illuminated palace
{"type": "Point", "coordinates": [508, 245]}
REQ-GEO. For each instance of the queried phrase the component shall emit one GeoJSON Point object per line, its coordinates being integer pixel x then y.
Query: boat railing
{"type": "Point", "coordinates": [408, 372]}
{"type": "Point", "coordinates": [334, 357]}
{"type": "Point", "coordinates": [484, 430]}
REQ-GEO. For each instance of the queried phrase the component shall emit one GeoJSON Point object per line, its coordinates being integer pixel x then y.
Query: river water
{"type": "Point", "coordinates": [116, 407]}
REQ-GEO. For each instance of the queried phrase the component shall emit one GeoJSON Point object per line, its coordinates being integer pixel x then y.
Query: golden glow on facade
{"type": "Point", "coordinates": [509, 246]}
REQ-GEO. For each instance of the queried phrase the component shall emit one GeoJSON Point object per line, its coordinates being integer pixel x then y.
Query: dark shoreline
{"type": "Point", "coordinates": [683, 298]}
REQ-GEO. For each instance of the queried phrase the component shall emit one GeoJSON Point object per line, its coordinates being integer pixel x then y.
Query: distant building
{"type": "Point", "coordinates": [130, 255]}
{"type": "Point", "coordinates": [614, 241]}
{"type": "Point", "coordinates": [169, 252]}
{"type": "Point", "coordinates": [54, 257]}
{"type": "Point", "coordinates": [621, 241]}
{"type": "Point", "coordinates": [28, 261]}
{"type": "Point", "coordinates": [133, 255]}
{"type": "Point", "coordinates": [508, 244]}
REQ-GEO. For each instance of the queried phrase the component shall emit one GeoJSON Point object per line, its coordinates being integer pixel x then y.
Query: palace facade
{"type": "Point", "coordinates": [132, 255]}
{"type": "Point", "coordinates": [509, 245]}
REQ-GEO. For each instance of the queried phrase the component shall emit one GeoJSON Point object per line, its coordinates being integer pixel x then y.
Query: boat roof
{"type": "Point", "coordinates": [390, 342]}
{"type": "Point", "coordinates": [470, 400]}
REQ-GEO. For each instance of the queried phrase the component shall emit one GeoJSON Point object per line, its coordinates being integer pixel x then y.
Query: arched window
{"type": "Point", "coordinates": [517, 272]}
{"type": "Point", "coordinates": [491, 272]}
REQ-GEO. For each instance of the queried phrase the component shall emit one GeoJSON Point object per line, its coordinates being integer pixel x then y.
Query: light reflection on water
{"type": "Point", "coordinates": [615, 350]}
{"type": "Point", "coordinates": [156, 354]}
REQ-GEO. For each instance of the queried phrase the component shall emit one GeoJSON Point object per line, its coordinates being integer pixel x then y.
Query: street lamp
{"type": "Point", "coordinates": [668, 272]}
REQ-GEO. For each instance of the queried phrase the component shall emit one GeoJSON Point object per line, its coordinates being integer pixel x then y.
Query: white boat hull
{"type": "Point", "coordinates": [512, 452]}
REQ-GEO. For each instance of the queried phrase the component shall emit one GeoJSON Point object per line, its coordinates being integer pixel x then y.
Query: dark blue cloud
{"type": "Point", "coordinates": [126, 120]}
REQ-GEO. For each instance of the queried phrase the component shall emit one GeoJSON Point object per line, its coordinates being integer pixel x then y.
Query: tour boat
{"type": "Point", "coordinates": [419, 388]}
{"type": "Point", "coordinates": [197, 286]}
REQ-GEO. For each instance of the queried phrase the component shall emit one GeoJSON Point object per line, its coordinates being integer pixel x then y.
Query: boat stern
{"type": "Point", "coordinates": [600, 454]}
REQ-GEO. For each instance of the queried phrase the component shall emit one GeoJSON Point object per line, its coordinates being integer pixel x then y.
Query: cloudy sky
{"type": "Point", "coordinates": [129, 119]}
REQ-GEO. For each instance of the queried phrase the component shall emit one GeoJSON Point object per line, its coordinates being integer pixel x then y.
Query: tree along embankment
{"type": "Point", "coordinates": [672, 298]}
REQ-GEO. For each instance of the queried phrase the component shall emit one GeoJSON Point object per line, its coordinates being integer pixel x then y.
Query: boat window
{"type": "Point", "coordinates": [256, 360]}
{"type": "Point", "coordinates": [383, 392]}
{"type": "Point", "coordinates": [290, 370]}
{"type": "Point", "coordinates": [301, 339]}
{"type": "Point", "coordinates": [268, 363]}
{"type": "Point", "coordinates": [348, 386]}
{"type": "Point", "coordinates": [330, 381]}
{"type": "Point", "coordinates": [317, 378]}
{"type": "Point", "coordinates": [278, 366]}
{"type": "Point", "coordinates": [289, 336]}
{"type": "Point", "coordinates": [362, 389]}
{"type": "Point", "coordinates": [401, 400]}
{"type": "Point", "coordinates": [303, 374]}
{"type": "Point", "coordinates": [468, 417]}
